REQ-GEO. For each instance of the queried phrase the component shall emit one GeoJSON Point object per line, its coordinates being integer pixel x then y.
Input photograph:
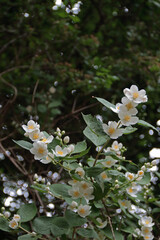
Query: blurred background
{"type": "Point", "coordinates": [56, 55]}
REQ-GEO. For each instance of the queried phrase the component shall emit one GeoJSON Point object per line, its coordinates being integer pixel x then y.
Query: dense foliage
{"type": "Point", "coordinates": [55, 58]}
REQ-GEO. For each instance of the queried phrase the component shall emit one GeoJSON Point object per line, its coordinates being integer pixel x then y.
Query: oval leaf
{"type": "Point", "coordinates": [27, 212]}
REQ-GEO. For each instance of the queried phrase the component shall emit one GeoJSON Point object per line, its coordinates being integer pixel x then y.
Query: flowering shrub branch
{"type": "Point", "coordinates": [102, 199]}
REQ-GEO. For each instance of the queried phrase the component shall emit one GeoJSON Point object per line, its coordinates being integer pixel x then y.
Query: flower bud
{"type": "Point", "coordinates": [63, 132]}
{"type": "Point", "coordinates": [148, 164]}
{"type": "Point", "coordinates": [143, 168]}
{"type": "Point", "coordinates": [117, 186]}
{"type": "Point", "coordinates": [70, 148]}
{"type": "Point", "coordinates": [58, 130]}
{"type": "Point", "coordinates": [119, 168]}
{"type": "Point", "coordinates": [154, 162]}
{"type": "Point", "coordinates": [7, 214]}
{"type": "Point", "coordinates": [66, 139]}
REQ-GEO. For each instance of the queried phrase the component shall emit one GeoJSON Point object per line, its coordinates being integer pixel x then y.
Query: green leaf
{"type": "Point", "coordinates": [27, 212]}
{"type": "Point", "coordinates": [93, 171]}
{"type": "Point", "coordinates": [148, 125]}
{"type": "Point", "coordinates": [59, 226]}
{"type": "Point", "coordinates": [94, 138]}
{"type": "Point", "coordinates": [106, 104]}
{"type": "Point", "coordinates": [4, 226]}
{"type": "Point", "coordinates": [43, 224]}
{"type": "Point", "coordinates": [27, 237]}
{"type": "Point", "coordinates": [146, 179]}
{"type": "Point", "coordinates": [74, 219]}
{"type": "Point", "coordinates": [87, 233]}
{"type": "Point", "coordinates": [42, 108]}
{"type": "Point", "coordinates": [108, 233]}
{"type": "Point", "coordinates": [60, 190]}
{"type": "Point", "coordinates": [129, 130]}
{"type": "Point", "coordinates": [79, 147]}
{"type": "Point", "coordinates": [24, 144]}
{"type": "Point", "coordinates": [115, 173]}
{"type": "Point", "coordinates": [78, 155]}
{"type": "Point", "coordinates": [55, 103]}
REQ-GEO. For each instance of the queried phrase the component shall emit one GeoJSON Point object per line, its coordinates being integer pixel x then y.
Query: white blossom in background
{"type": "Point", "coordinates": [73, 182]}
{"type": "Point", "coordinates": [146, 221]}
{"type": "Point", "coordinates": [116, 147]}
{"type": "Point", "coordinates": [35, 135]}
{"type": "Point", "coordinates": [146, 230]}
{"type": "Point", "coordinates": [84, 210]}
{"type": "Point", "coordinates": [135, 95]}
{"type": "Point", "coordinates": [49, 158]}
{"type": "Point", "coordinates": [139, 175]}
{"type": "Point", "coordinates": [109, 162]}
{"type": "Point", "coordinates": [39, 150]}
{"type": "Point", "coordinates": [125, 203]}
{"type": "Point", "coordinates": [102, 224]}
{"type": "Point", "coordinates": [13, 224]}
{"type": "Point", "coordinates": [148, 236]}
{"type": "Point", "coordinates": [129, 104]}
{"type": "Point", "coordinates": [112, 130]}
{"type": "Point", "coordinates": [126, 118]}
{"type": "Point", "coordinates": [104, 176]}
{"type": "Point", "coordinates": [75, 192]}
{"type": "Point", "coordinates": [48, 139]}
{"type": "Point", "coordinates": [16, 217]}
{"type": "Point", "coordinates": [80, 172]}
{"type": "Point", "coordinates": [73, 206]}
{"type": "Point", "coordinates": [133, 189]}
{"type": "Point", "coordinates": [59, 152]}
{"type": "Point", "coordinates": [31, 126]}
{"type": "Point", "coordinates": [130, 176]}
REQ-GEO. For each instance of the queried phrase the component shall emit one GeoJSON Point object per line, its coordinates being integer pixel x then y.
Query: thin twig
{"type": "Point", "coordinates": [34, 91]}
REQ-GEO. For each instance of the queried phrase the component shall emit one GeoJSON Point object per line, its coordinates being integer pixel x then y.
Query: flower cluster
{"type": "Point", "coordinates": [41, 141]}
{"type": "Point", "coordinates": [14, 223]}
{"type": "Point", "coordinates": [146, 227]}
{"type": "Point", "coordinates": [126, 111]}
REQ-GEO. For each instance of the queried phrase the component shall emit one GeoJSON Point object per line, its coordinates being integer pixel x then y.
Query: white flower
{"type": "Point", "coordinates": [146, 230]}
{"type": "Point", "coordinates": [84, 186]}
{"type": "Point", "coordinates": [84, 210]}
{"type": "Point", "coordinates": [116, 110]}
{"type": "Point", "coordinates": [139, 175]}
{"type": "Point", "coordinates": [129, 105]}
{"type": "Point", "coordinates": [75, 192]}
{"type": "Point", "coordinates": [126, 118]}
{"type": "Point", "coordinates": [66, 139]}
{"type": "Point", "coordinates": [102, 224]}
{"type": "Point", "coordinates": [49, 158]}
{"type": "Point", "coordinates": [73, 206]}
{"type": "Point", "coordinates": [109, 162]}
{"type": "Point", "coordinates": [31, 126]}
{"type": "Point", "coordinates": [148, 236]}
{"type": "Point", "coordinates": [135, 95]}
{"type": "Point", "coordinates": [39, 150]}
{"type": "Point", "coordinates": [35, 135]}
{"type": "Point", "coordinates": [16, 217]}
{"type": "Point", "coordinates": [130, 176]}
{"type": "Point", "coordinates": [133, 189]}
{"type": "Point", "coordinates": [116, 147]}
{"type": "Point", "coordinates": [80, 172]}
{"type": "Point", "coordinates": [125, 203]}
{"type": "Point", "coordinates": [104, 176]}
{"type": "Point", "coordinates": [13, 224]}
{"type": "Point", "coordinates": [112, 130]}
{"type": "Point", "coordinates": [59, 152]}
{"type": "Point", "coordinates": [146, 221]}
{"type": "Point", "coordinates": [73, 182]}
{"type": "Point", "coordinates": [48, 139]}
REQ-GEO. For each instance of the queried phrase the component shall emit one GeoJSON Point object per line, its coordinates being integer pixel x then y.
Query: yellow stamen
{"type": "Point", "coordinates": [76, 194]}
{"type": "Point", "coordinates": [123, 204]}
{"type": "Point", "coordinates": [35, 136]}
{"type": "Point", "coordinates": [146, 222]}
{"type": "Point", "coordinates": [108, 162]}
{"type": "Point", "coordinates": [129, 106]}
{"type": "Point", "coordinates": [60, 152]}
{"type": "Point", "coordinates": [116, 146]}
{"type": "Point", "coordinates": [82, 210]}
{"type": "Point", "coordinates": [111, 130]}
{"type": "Point", "coordinates": [130, 176]}
{"type": "Point", "coordinates": [104, 175]}
{"type": "Point", "coordinates": [41, 150]}
{"type": "Point", "coordinates": [127, 118]}
{"type": "Point", "coordinates": [84, 186]}
{"type": "Point", "coordinates": [130, 190]}
{"type": "Point", "coordinates": [44, 139]}
{"type": "Point", "coordinates": [135, 95]}
{"type": "Point", "coordinates": [146, 230]}
{"type": "Point", "coordinates": [13, 224]}
{"type": "Point", "coordinates": [140, 173]}
{"type": "Point", "coordinates": [30, 127]}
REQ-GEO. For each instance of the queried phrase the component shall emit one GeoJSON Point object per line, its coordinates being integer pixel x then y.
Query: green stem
{"type": "Point", "coordinates": [100, 152]}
